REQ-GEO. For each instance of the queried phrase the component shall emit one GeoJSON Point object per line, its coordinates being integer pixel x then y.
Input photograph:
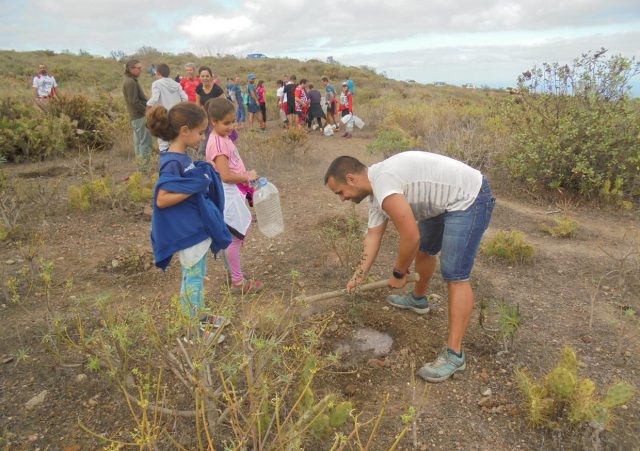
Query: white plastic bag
{"type": "Point", "coordinates": [347, 118]}
{"type": "Point", "coordinates": [358, 122]}
{"type": "Point", "coordinates": [328, 130]}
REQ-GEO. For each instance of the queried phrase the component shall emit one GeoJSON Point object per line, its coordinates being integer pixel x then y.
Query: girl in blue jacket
{"type": "Point", "coordinates": [188, 202]}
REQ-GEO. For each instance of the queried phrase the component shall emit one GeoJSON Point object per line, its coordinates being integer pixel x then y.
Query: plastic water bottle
{"type": "Point", "coordinates": [266, 201]}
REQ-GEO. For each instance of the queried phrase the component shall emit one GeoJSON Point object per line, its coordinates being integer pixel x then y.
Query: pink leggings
{"type": "Point", "coordinates": [232, 259]}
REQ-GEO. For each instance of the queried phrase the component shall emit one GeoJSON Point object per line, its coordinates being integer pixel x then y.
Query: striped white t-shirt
{"type": "Point", "coordinates": [431, 183]}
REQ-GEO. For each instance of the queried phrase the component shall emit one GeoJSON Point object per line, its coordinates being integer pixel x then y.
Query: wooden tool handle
{"type": "Point", "coordinates": [366, 287]}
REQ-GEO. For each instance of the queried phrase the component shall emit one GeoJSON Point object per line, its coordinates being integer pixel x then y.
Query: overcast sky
{"type": "Point", "coordinates": [468, 41]}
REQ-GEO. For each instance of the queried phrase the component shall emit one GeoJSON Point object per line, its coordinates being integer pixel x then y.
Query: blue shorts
{"type": "Point", "coordinates": [253, 107]}
{"type": "Point", "coordinates": [457, 234]}
{"type": "Point", "coordinates": [241, 114]}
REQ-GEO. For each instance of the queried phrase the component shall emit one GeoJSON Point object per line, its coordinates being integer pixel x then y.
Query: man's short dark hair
{"type": "Point", "coordinates": [293, 77]}
{"type": "Point", "coordinates": [163, 69]}
{"type": "Point", "coordinates": [341, 166]}
{"type": "Point", "coordinates": [325, 79]}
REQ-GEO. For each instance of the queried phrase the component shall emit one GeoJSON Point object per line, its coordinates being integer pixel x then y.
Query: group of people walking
{"type": "Point", "coordinates": [299, 104]}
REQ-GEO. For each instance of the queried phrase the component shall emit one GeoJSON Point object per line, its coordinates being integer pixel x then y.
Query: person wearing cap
{"type": "Point", "coordinates": [253, 106]}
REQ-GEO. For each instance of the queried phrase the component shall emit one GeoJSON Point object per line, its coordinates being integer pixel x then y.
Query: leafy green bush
{"type": "Point", "coordinates": [26, 134]}
{"type": "Point", "coordinates": [62, 124]}
{"type": "Point", "coordinates": [562, 395]}
{"type": "Point", "coordinates": [508, 246]}
{"type": "Point", "coordinates": [96, 119]}
{"type": "Point", "coordinates": [575, 128]}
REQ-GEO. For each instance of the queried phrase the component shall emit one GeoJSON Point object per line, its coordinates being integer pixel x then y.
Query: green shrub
{"type": "Point", "coordinates": [96, 118]}
{"type": "Point", "coordinates": [561, 228]}
{"type": "Point", "coordinates": [28, 134]}
{"type": "Point", "coordinates": [64, 123]}
{"type": "Point", "coordinates": [562, 396]}
{"type": "Point", "coordinates": [508, 246]}
{"type": "Point", "coordinates": [138, 188]}
{"type": "Point", "coordinates": [575, 128]}
{"type": "Point", "coordinates": [89, 195]}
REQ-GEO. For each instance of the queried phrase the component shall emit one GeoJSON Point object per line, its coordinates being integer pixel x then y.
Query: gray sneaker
{"type": "Point", "coordinates": [204, 336]}
{"type": "Point", "coordinates": [209, 319]}
{"type": "Point", "coordinates": [443, 367]}
{"type": "Point", "coordinates": [408, 302]}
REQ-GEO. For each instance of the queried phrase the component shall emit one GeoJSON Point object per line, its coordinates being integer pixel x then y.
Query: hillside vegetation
{"type": "Point", "coordinates": [566, 129]}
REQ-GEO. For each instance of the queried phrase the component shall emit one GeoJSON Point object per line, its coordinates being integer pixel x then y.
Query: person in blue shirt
{"type": "Point", "coordinates": [188, 205]}
{"type": "Point", "coordinates": [237, 98]}
{"type": "Point", "coordinates": [253, 104]}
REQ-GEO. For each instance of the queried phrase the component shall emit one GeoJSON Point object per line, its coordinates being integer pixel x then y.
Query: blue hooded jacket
{"type": "Point", "coordinates": [193, 220]}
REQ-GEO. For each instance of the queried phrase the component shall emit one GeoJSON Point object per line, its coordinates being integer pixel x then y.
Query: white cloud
{"type": "Point", "coordinates": [455, 39]}
{"type": "Point", "coordinates": [202, 28]}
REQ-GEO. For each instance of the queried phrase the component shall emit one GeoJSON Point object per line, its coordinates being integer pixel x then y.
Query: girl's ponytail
{"type": "Point", "coordinates": [166, 125]}
{"type": "Point", "coordinates": [158, 123]}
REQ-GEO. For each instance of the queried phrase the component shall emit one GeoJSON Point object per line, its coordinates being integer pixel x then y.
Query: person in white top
{"type": "Point", "coordinates": [280, 105]}
{"type": "Point", "coordinates": [167, 92]}
{"type": "Point", "coordinates": [438, 205]}
{"type": "Point", "coordinates": [44, 85]}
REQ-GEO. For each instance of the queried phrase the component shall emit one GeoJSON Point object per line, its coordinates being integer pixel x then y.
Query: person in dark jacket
{"type": "Point", "coordinates": [315, 107]}
{"type": "Point", "coordinates": [136, 106]}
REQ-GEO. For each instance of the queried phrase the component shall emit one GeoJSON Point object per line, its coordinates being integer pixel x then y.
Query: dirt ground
{"type": "Point", "coordinates": [554, 294]}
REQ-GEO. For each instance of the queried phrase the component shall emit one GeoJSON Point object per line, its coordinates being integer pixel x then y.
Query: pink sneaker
{"type": "Point", "coordinates": [245, 286]}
